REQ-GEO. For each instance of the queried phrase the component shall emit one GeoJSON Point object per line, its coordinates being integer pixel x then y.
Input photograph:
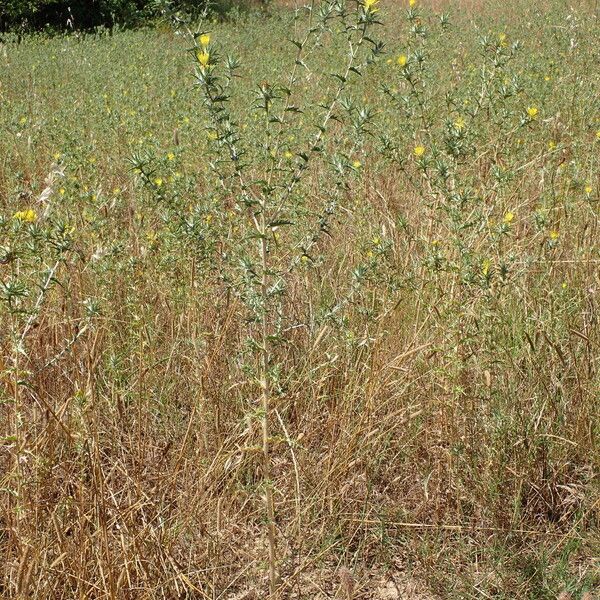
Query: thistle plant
{"type": "Point", "coordinates": [459, 152]}
{"type": "Point", "coordinates": [438, 139]}
{"type": "Point", "coordinates": [35, 246]}
{"type": "Point", "coordinates": [261, 199]}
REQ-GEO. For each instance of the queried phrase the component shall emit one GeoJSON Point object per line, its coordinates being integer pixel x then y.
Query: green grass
{"type": "Point", "coordinates": [432, 358]}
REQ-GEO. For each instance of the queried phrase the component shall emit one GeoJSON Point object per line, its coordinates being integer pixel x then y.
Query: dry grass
{"type": "Point", "coordinates": [408, 461]}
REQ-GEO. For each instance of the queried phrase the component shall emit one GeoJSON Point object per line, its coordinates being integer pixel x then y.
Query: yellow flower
{"type": "Point", "coordinates": [25, 216]}
{"type": "Point", "coordinates": [370, 5]}
{"type": "Point", "coordinates": [485, 266]}
{"type": "Point", "coordinates": [170, 156]}
{"type": "Point", "coordinates": [205, 39]}
{"type": "Point", "coordinates": [212, 135]}
{"type": "Point", "coordinates": [598, 134]}
{"type": "Point", "coordinates": [158, 182]}
{"type": "Point", "coordinates": [459, 124]}
{"type": "Point", "coordinates": [552, 145]}
{"type": "Point", "coordinates": [56, 155]}
{"type": "Point", "coordinates": [532, 111]}
{"type": "Point", "coordinates": [509, 217]}
{"type": "Point", "coordinates": [419, 151]}
{"type": "Point", "coordinates": [357, 164]}
{"type": "Point", "coordinates": [288, 154]}
{"type": "Point", "coordinates": [554, 235]}
{"type": "Point", "coordinates": [61, 191]}
{"type": "Point", "coordinates": [23, 120]}
{"type": "Point", "coordinates": [588, 189]}
{"type": "Point", "coordinates": [547, 78]}
{"type": "Point", "coordinates": [412, 3]}
{"type": "Point", "coordinates": [402, 60]}
{"type": "Point", "coordinates": [203, 57]}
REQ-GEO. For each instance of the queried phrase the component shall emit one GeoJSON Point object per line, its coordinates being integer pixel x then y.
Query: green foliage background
{"type": "Point", "coordinates": [86, 14]}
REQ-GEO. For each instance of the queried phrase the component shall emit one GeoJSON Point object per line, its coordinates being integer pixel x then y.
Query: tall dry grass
{"type": "Point", "coordinates": [425, 437]}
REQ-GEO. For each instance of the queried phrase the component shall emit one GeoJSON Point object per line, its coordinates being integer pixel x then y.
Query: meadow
{"type": "Point", "coordinates": [303, 304]}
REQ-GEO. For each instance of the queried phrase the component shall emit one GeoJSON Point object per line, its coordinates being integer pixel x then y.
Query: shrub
{"type": "Point", "coordinates": [27, 15]}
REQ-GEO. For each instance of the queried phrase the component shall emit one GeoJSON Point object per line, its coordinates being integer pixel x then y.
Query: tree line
{"type": "Point", "coordinates": [36, 15]}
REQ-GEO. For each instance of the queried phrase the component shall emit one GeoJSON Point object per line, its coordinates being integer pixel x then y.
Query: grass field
{"type": "Point", "coordinates": [269, 332]}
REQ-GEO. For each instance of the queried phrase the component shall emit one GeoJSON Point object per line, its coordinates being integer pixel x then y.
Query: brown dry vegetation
{"type": "Point", "coordinates": [440, 446]}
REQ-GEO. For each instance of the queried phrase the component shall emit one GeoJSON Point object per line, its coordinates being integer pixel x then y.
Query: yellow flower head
{"type": "Point", "coordinates": [509, 217]}
{"type": "Point", "coordinates": [402, 60]}
{"type": "Point", "coordinates": [23, 120]}
{"type": "Point", "coordinates": [288, 154]}
{"type": "Point", "coordinates": [203, 57]}
{"type": "Point", "coordinates": [598, 134]}
{"type": "Point", "coordinates": [357, 164]}
{"type": "Point", "coordinates": [459, 124]}
{"type": "Point", "coordinates": [170, 156]}
{"type": "Point", "coordinates": [554, 235]}
{"type": "Point", "coordinates": [205, 39]}
{"type": "Point", "coordinates": [551, 145]}
{"type": "Point", "coordinates": [485, 266]}
{"type": "Point", "coordinates": [532, 111]}
{"type": "Point", "coordinates": [158, 182]}
{"type": "Point", "coordinates": [412, 3]}
{"type": "Point", "coordinates": [588, 189]}
{"type": "Point", "coordinates": [419, 151]}
{"type": "Point", "coordinates": [25, 216]}
{"type": "Point", "coordinates": [370, 5]}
